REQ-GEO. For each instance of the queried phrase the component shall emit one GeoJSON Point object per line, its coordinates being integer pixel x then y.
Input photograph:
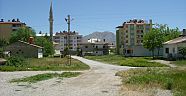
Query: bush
{"type": "Point", "coordinates": [16, 61]}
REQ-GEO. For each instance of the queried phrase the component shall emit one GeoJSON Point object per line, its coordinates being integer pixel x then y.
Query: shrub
{"type": "Point", "coordinates": [16, 61]}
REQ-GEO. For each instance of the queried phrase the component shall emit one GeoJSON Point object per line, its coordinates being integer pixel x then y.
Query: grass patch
{"type": "Point", "coordinates": [47, 64]}
{"type": "Point", "coordinates": [179, 62]}
{"type": "Point", "coordinates": [129, 61]}
{"type": "Point", "coordinates": [46, 76]}
{"type": "Point", "coordinates": [165, 78]}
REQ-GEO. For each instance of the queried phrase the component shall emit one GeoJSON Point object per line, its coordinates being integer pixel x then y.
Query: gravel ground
{"type": "Point", "coordinates": [100, 80]}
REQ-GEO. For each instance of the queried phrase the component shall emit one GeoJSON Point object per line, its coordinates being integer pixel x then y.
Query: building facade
{"type": "Point", "coordinates": [129, 38]}
{"type": "Point", "coordinates": [96, 48]}
{"type": "Point", "coordinates": [171, 48]}
{"type": "Point", "coordinates": [62, 39]}
{"type": "Point", "coordinates": [6, 28]}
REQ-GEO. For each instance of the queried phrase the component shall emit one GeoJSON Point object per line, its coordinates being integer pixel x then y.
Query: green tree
{"type": "Point", "coordinates": [155, 38]}
{"type": "Point", "coordinates": [152, 40]}
{"type": "Point", "coordinates": [22, 33]}
{"type": "Point", "coordinates": [182, 51]}
{"type": "Point", "coordinates": [168, 33]}
{"type": "Point", "coordinates": [48, 46]}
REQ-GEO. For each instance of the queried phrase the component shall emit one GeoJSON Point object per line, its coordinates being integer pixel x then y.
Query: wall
{"type": "Point", "coordinates": [173, 47]}
{"type": "Point", "coordinates": [5, 31]}
{"type": "Point", "coordinates": [22, 49]}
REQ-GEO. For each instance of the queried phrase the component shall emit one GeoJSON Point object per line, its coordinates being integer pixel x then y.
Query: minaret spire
{"type": "Point", "coordinates": [51, 21]}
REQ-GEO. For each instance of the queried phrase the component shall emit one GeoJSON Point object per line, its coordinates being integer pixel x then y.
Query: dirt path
{"type": "Point", "coordinates": [165, 62]}
{"type": "Point", "coordinates": [100, 80]}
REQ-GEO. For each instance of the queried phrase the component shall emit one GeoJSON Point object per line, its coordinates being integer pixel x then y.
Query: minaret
{"type": "Point", "coordinates": [51, 22]}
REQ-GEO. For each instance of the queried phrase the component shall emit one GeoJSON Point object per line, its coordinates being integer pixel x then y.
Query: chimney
{"type": "Point", "coordinates": [184, 32]}
{"type": "Point", "coordinates": [104, 40]}
{"type": "Point", "coordinates": [2, 20]}
{"type": "Point", "coordinates": [17, 20]}
{"type": "Point", "coordinates": [31, 40]}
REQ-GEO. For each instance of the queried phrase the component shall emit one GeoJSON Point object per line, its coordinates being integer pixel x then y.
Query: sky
{"type": "Point", "coordinates": [93, 15]}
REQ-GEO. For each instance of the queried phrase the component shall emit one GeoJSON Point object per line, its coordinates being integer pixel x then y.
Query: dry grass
{"type": "Point", "coordinates": [159, 78]}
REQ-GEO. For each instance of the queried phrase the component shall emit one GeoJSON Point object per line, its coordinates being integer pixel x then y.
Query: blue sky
{"type": "Point", "coordinates": [94, 15]}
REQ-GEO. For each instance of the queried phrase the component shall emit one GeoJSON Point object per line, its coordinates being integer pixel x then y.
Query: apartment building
{"type": "Point", "coordinates": [6, 28]}
{"type": "Point", "coordinates": [96, 48]}
{"type": "Point", "coordinates": [129, 37]}
{"type": "Point", "coordinates": [62, 39]}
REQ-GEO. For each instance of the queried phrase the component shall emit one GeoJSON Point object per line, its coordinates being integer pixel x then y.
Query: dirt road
{"type": "Point", "coordinates": [100, 80]}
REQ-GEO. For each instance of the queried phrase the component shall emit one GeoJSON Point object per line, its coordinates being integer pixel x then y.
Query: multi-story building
{"type": "Point", "coordinates": [62, 39]}
{"type": "Point", "coordinates": [129, 38]}
{"type": "Point", "coordinates": [96, 48]}
{"type": "Point", "coordinates": [6, 28]}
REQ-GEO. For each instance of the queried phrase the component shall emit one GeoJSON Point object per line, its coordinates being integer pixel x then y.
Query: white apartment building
{"type": "Point", "coordinates": [62, 39]}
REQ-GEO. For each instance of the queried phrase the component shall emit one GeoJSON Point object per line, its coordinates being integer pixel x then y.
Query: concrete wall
{"type": "Point", "coordinates": [25, 50]}
{"type": "Point", "coordinates": [141, 51]}
{"type": "Point", "coordinates": [173, 49]}
{"type": "Point", "coordinates": [5, 31]}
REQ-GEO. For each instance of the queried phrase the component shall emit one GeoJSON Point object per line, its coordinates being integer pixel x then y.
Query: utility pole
{"type": "Point", "coordinates": [68, 20]}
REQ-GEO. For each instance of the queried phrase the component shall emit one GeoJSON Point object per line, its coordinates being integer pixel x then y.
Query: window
{"type": "Point", "coordinates": [86, 46]}
{"type": "Point", "coordinates": [167, 50]}
{"type": "Point", "coordinates": [14, 25]}
{"type": "Point", "coordinates": [96, 46]}
{"type": "Point", "coordinates": [13, 29]}
{"type": "Point", "coordinates": [126, 41]}
{"type": "Point", "coordinates": [128, 51]}
{"type": "Point", "coordinates": [141, 31]}
{"type": "Point", "coordinates": [126, 36]}
{"type": "Point", "coordinates": [138, 31]}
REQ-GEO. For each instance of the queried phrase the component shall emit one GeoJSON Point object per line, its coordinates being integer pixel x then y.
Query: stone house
{"type": "Point", "coordinates": [25, 49]}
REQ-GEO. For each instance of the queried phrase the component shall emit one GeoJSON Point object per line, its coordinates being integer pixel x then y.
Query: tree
{"type": "Point", "coordinates": [152, 40]}
{"type": "Point", "coordinates": [168, 33]}
{"type": "Point", "coordinates": [23, 34]}
{"type": "Point", "coordinates": [155, 38]}
{"type": "Point", "coordinates": [48, 46]}
{"type": "Point", "coordinates": [182, 51]}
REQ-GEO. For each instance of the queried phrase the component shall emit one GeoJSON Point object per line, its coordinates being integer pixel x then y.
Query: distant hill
{"type": "Point", "coordinates": [108, 36]}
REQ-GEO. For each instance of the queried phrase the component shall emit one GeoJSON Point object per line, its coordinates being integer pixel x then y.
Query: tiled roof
{"type": "Point", "coordinates": [176, 40]}
{"type": "Point", "coordinates": [30, 44]}
{"type": "Point", "coordinates": [11, 23]}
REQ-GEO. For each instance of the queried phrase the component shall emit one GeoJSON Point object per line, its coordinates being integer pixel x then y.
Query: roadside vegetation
{"type": "Point", "coordinates": [180, 63]}
{"type": "Point", "coordinates": [159, 78]}
{"type": "Point", "coordinates": [44, 64]}
{"type": "Point", "coordinates": [46, 76]}
{"type": "Point", "coordinates": [126, 61]}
